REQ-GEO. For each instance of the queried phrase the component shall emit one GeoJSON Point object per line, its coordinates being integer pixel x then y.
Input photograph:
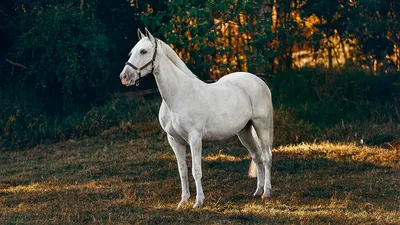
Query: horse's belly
{"type": "Point", "coordinates": [217, 136]}
{"type": "Point", "coordinates": [214, 130]}
{"type": "Point", "coordinates": [230, 112]}
{"type": "Point", "coordinates": [226, 126]}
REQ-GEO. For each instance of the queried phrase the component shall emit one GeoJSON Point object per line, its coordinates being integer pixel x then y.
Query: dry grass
{"type": "Point", "coordinates": [111, 179]}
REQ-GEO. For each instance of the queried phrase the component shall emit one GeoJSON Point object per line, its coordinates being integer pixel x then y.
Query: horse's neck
{"type": "Point", "coordinates": [171, 54]}
{"type": "Point", "coordinates": [172, 82]}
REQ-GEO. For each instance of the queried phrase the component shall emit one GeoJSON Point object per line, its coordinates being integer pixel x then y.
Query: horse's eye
{"type": "Point", "coordinates": [143, 51]}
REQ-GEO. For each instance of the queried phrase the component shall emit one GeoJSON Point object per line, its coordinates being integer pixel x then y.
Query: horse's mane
{"type": "Point", "coordinates": [171, 54]}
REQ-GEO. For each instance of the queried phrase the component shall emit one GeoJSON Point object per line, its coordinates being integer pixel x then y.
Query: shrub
{"type": "Point", "coordinates": [66, 53]}
{"type": "Point", "coordinates": [22, 126]}
{"type": "Point", "coordinates": [325, 98]}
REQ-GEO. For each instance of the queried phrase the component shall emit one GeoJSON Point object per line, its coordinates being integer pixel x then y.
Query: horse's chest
{"type": "Point", "coordinates": [173, 124]}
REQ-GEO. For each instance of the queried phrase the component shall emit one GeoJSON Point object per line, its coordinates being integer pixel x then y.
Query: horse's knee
{"type": "Point", "coordinates": [197, 173]}
{"type": "Point", "coordinates": [268, 160]}
{"type": "Point", "coordinates": [267, 154]}
{"type": "Point", "coordinates": [256, 157]}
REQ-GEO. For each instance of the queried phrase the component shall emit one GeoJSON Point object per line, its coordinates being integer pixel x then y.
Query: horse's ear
{"type": "Point", "coordinates": [140, 34]}
{"type": "Point", "coordinates": [148, 34]}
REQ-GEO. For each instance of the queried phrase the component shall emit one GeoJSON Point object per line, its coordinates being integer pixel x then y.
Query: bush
{"type": "Point", "coordinates": [22, 126]}
{"type": "Point", "coordinates": [66, 53]}
{"type": "Point", "coordinates": [288, 129]}
{"type": "Point", "coordinates": [326, 98]}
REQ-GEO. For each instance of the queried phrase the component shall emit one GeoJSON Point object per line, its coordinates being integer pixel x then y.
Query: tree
{"type": "Point", "coordinates": [65, 51]}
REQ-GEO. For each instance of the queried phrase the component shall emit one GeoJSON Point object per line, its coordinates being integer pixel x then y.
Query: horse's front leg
{"type": "Point", "coordinates": [195, 143]}
{"type": "Point", "coordinates": [180, 153]}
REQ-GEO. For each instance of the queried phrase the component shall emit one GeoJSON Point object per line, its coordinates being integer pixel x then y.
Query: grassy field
{"type": "Point", "coordinates": [113, 178]}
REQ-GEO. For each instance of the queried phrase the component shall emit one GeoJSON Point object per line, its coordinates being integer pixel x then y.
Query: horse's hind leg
{"type": "Point", "coordinates": [264, 129]}
{"type": "Point", "coordinates": [248, 140]}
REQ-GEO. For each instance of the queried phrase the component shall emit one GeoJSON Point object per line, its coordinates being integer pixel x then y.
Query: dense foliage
{"type": "Point", "coordinates": [66, 53]}
{"type": "Point", "coordinates": [60, 60]}
{"type": "Point", "coordinates": [264, 35]}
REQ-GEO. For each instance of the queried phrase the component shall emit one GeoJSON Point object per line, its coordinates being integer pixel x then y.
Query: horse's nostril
{"type": "Point", "coordinates": [124, 76]}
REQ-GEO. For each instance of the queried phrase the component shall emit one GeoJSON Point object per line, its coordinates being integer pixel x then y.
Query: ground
{"type": "Point", "coordinates": [119, 178]}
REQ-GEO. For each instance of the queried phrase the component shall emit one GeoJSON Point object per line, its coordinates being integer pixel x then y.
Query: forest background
{"type": "Point", "coordinates": [332, 66]}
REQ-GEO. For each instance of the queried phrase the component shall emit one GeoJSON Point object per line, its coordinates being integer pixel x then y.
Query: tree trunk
{"type": "Point", "coordinates": [263, 8]}
{"type": "Point", "coordinates": [330, 58]}
{"type": "Point", "coordinates": [82, 3]}
{"type": "Point", "coordinates": [344, 51]}
{"type": "Point", "coordinates": [289, 59]}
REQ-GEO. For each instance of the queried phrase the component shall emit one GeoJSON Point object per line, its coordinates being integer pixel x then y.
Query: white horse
{"type": "Point", "coordinates": [193, 111]}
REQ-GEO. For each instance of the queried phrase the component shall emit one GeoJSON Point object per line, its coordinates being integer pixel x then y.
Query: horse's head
{"type": "Point", "coordinates": [141, 60]}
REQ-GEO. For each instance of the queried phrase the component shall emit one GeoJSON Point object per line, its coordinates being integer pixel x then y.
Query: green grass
{"type": "Point", "coordinates": [117, 178]}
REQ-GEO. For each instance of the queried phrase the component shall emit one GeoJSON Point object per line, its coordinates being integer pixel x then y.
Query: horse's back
{"type": "Point", "coordinates": [249, 82]}
{"type": "Point", "coordinates": [254, 87]}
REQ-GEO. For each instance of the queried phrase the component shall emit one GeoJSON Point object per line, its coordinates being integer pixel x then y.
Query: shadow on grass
{"type": "Point", "coordinates": [310, 179]}
{"type": "Point", "coordinates": [292, 164]}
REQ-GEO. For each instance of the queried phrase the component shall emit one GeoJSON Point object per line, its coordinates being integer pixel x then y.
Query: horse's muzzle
{"type": "Point", "coordinates": [124, 80]}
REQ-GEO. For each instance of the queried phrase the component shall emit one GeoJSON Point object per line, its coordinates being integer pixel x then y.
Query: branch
{"type": "Point", "coordinates": [15, 64]}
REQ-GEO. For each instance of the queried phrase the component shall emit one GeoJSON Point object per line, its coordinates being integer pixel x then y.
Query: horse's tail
{"type": "Point", "coordinates": [253, 168]}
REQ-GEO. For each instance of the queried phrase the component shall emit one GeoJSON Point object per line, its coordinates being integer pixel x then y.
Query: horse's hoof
{"type": "Point", "coordinates": [183, 202]}
{"type": "Point", "coordinates": [267, 194]}
{"type": "Point", "coordinates": [199, 201]}
{"type": "Point", "coordinates": [197, 205]}
{"type": "Point", "coordinates": [258, 192]}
